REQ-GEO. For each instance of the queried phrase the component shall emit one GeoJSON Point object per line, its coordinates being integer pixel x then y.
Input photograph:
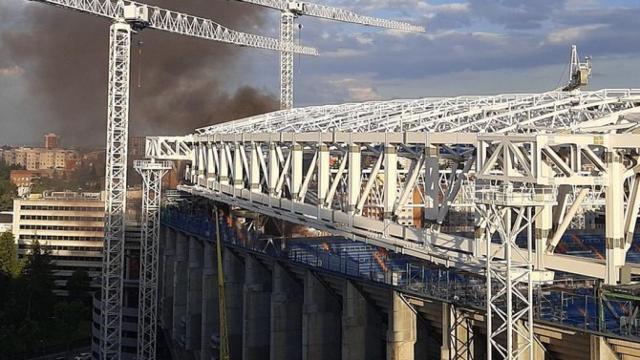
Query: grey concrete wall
{"type": "Point", "coordinates": [321, 321]}
{"type": "Point", "coordinates": [287, 298]}
{"type": "Point", "coordinates": [194, 297]}
{"type": "Point", "coordinates": [256, 310]}
{"type": "Point", "coordinates": [210, 311]}
{"type": "Point", "coordinates": [179, 285]}
{"type": "Point", "coordinates": [233, 287]}
{"type": "Point", "coordinates": [166, 302]}
{"type": "Point", "coordinates": [362, 327]}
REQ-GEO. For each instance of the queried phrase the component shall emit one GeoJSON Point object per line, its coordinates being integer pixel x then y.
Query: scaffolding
{"type": "Point", "coordinates": [152, 173]}
{"type": "Point", "coordinates": [509, 212]}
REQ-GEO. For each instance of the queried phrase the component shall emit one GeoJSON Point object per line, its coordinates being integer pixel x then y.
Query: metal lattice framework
{"type": "Point", "coordinates": [361, 171]}
{"type": "Point", "coordinates": [286, 60]}
{"type": "Point", "coordinates": [116, 187]}
{"type": "Point", "coordinates": [509, 268]}
{"type": "Point", "coordinates": [179, 23]}
{"type": "Point", "coordinates": [501, 113]}
{"type": "Point", "coordinates": [152, 173]}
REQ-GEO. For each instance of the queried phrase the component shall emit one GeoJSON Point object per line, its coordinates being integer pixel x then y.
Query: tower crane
{"type": "Point", "coordinates": [579, 72]}
{"type": "Point", "coordinates": [289, 10]}
{"type": "Point", "coordinates": [129, 17]}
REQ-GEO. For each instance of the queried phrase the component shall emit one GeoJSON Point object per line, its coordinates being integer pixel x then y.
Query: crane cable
{"type": "Point", "coordinates": [140, 43]}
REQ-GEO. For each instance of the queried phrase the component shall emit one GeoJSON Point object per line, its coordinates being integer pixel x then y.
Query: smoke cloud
{"type": "Point", "coordinates": [183, 81]}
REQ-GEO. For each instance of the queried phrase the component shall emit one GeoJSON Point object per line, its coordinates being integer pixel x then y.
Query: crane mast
{"type": "Point", "coordinates": [127, 18]}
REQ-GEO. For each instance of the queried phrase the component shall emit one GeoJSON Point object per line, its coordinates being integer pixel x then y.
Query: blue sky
{"type": "Point", "coordinates": [470, 47]}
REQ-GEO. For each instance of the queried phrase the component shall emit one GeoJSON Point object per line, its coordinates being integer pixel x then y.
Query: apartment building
{"type": "Point", "coordinates": [68, 224]}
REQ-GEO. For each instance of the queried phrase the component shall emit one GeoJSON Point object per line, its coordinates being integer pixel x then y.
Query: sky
{"type": "Point", "coordinates": [470, 47]}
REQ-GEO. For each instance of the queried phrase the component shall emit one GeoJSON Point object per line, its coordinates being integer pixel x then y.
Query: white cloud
{"type": "Point", "coordinates": [571, 34]}
{"type": "Point", "coordinates": [14, 70]}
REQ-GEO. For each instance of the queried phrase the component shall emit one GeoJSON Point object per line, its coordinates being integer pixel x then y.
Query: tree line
{"type": "Point", "coordinates": [33, 320]}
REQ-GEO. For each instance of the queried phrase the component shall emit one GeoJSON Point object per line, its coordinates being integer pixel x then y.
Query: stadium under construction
{"type": "Point", "coordinates": [469, 227]}
{"type": "Point", "coordinates": [453, 228]}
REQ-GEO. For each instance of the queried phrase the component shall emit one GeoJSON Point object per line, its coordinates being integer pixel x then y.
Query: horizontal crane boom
{"type": "Point", "coordinates": [179, 23]}
{"type": "Point", "coordinates": [332, 13]}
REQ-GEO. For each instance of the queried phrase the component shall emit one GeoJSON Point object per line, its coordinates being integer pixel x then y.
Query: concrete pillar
{"type": "Point", "coordinates": [457, 334]}
{"type": "Point", "coordinates": [520, 341]}
{"type": "Point", "coordinates": [354, 176]}
{"type": "Point", "coordinates": [238, 168]}
{"type": "Point", "coordinates": [286, 315]}
{"type": "Point", "coordinates": [361, 326]}
{"type": "Point", "coordinates": [233, 269]}
{"type": "Point", "coordinates": [296, 170]}
{"type": "Point", "coordinates": [543, 225]}
{"type": "Point", "coordinates": [254, 168]}
{"type": "Point", "coordinates": [324, 173]}
{"type": "Point", "coordinates": [210, 311]}
{"type": "Point", "coordinates": [194, 296]}
{"type": "Point", "coordinates": [321, 321]}
{"type": "Point", "coordinates": [169, 250]}
{"type": "Point", "coordinates": [257, 310]}
{"type": "Point", "coordinates": [600, 349]}
{"type": "Point", "coordinates": [402, 332]}
{"type": "Point", "coordinates": [614, 213]}
{"type": "Point", "coordinates": [179, 285]}
{"type": "Point", "coordinates": [390, 180]}
{"type": "Point", "coordinates": [432, 180]}
{"type": "Point", "coordinates": [223, 171]}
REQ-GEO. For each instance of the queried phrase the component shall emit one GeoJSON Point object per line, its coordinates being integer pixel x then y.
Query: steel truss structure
{"type": "Point", "coordinates": [509, 212]}
{"type": "Point", "coordinates": [177, 23]}
{"type": "Point", "coordinates": [152, 173]}
{"type": "Point", "coordinates": [263, 153]}
{"type": "Point", "coordinates": [116, 187]}
{"type": "Point", "coordinates": [360, 170]}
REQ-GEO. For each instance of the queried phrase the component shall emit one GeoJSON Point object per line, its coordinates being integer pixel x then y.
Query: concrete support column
{"type": "Point", "coordinates": [169, 250]}
{"type": "Point", "coordinates": [324, 173]}
{"type": "Point", "coordinates": [211, 165]}
{"type": "Point", "coordinates": [223, 171]}
{"type": "Point", "coordinates": [274, 168]}
{"type": "Point", "coordinates": [390, 180]}
{"type": "Point", "coordinates": [194, 296]}
{"type": "Point", "coordinates": [179, 285]}
{"type": "Point", "coordinates": [210, 312]}
{"type": "Point", "coordinates": [432, 181]}
{"type": "Point", "coordinates": [254, 168]}
{"type": "Point", "coordinates": [286, 315]}
{"type": "Point", "coordinates": [321, 321]}
{"type": "Point", "coordinates": [257, 310]}
{"type": "Point", "coordinates": [202, 162]}
{"type": "Point", "coordinates": [354, 176]}
{"type": "Point", "coordinates": [614, 213]}
{"type": "Point", "coordinates": [520, 341]}
{"type": "Point", "coordinates": [600, 349]}
{"type": "Point", "coordinates": [402, 332]}
{"type": "Point", "coordinates": [361, 326]}
{"type": "Point", "coordinates": [233, 269]}
{"type": "Point", "coordinates": [543, 224]}
{"type": "Point", "coordinates": [296, 170]}
{"type": "Point", "coordinates": [457, 334]}
{"type": "Point", "coordinates": [238, 168]}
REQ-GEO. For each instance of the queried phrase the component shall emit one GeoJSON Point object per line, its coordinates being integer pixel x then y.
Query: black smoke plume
{"type": "Point", "coordinates": [182, 80]}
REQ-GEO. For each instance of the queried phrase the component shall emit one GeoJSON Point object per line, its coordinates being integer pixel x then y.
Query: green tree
{"type": "Point", "coordinates": [38, 276]}
{"type": "Point", "coordinates": [79, 286]}
{"type": "Point", "coordinates": [9, 263]}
